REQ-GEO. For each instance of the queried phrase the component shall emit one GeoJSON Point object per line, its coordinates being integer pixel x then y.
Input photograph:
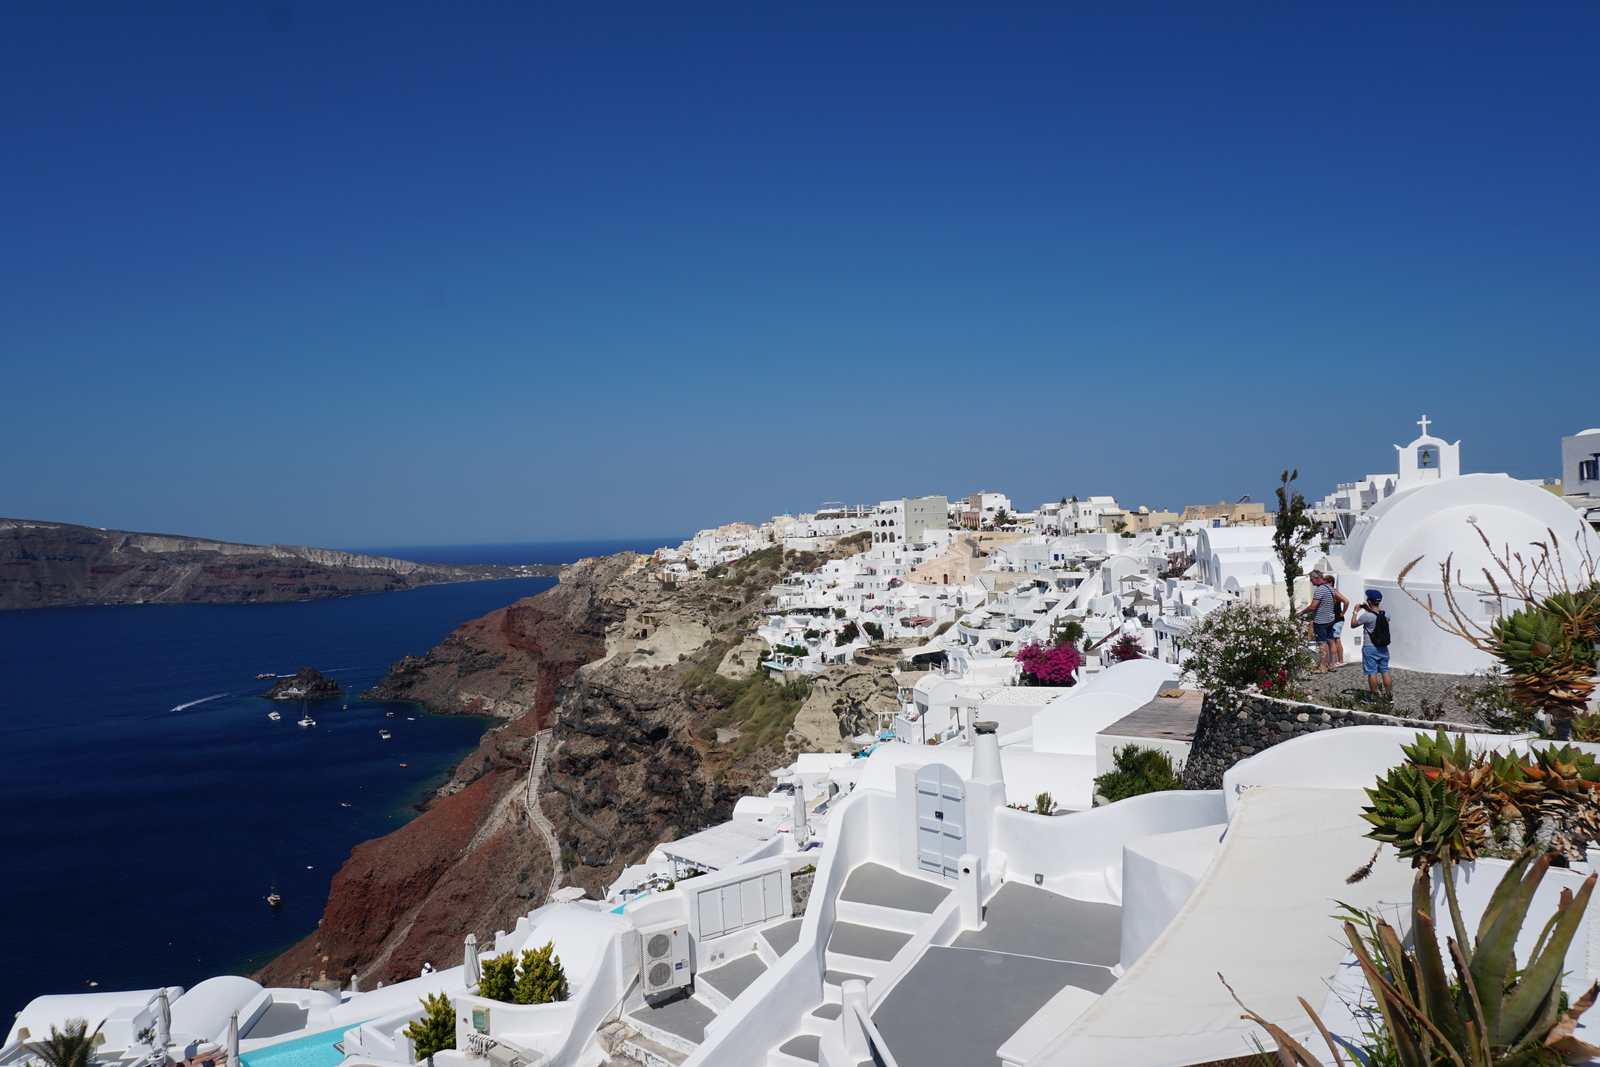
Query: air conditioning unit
{"type": "Point", "coordinates": [664, 958]}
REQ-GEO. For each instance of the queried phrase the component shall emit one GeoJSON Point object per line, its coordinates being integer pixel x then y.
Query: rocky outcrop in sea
{"type": "Point", "coordinates": [309, 684]}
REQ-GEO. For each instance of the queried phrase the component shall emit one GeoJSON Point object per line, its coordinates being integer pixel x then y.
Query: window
{"type": "Point", "coordinates": [1589, 469]}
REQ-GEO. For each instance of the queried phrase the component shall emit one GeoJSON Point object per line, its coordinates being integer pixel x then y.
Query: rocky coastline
{"type": "Point", "coordinates": [55, 564]}
{"type": "Point", "coordinates": [635, 679]}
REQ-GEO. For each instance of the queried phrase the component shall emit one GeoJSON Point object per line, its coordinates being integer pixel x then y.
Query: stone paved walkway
{"type": "Point", "coordinates": [1416, 693]}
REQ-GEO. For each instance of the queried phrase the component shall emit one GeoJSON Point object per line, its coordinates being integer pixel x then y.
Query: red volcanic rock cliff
{"type": "Point", "coordinates": [616, 663]}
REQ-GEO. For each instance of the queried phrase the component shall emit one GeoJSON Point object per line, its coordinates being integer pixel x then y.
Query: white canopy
{"type": "Point", "coordinates": [1260, 916]}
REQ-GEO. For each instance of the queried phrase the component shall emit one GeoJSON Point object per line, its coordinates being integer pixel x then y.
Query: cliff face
{"type": "Point", "coordinates": [620, 667]}
{"type": "Point", "coordinates": [53, 564]}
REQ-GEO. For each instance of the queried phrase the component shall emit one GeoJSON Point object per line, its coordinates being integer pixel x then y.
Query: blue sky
{"type": "Point", "coordinates": [384, 273]}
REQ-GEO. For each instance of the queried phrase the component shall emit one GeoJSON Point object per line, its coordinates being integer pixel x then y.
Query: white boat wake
{"type": "Point", "coordinates": [202, 700]}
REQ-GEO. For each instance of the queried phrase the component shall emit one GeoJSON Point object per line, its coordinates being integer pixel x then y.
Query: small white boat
{"type": "Point", "coordinates": [274, 716]}
{"type": "Point", "coordinates": [308, 721]}
{"type": "Point", "coordinates": [384, 734]}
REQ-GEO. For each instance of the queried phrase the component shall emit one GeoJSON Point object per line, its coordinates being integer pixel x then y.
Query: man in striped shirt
{"type": "Point", "coordinates": [1326, 607]}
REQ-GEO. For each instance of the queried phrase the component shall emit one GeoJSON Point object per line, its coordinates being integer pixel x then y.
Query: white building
{"type": "Point", "coordinates": [911, 520]}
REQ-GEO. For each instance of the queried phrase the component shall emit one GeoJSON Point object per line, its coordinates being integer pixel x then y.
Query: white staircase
{"type": "Point", "coordinates": [875, 914]}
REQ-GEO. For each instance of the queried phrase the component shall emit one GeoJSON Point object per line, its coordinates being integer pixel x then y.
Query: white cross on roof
{"type": "Point", "coordinates": [1423, 422]}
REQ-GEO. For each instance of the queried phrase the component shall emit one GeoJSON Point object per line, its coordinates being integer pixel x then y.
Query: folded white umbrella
{"type": "Point", "coordinates": [473, 971]}
{"type": "Point", "coordinates": [163, 1019]}
{"type": "Point", "coordinates": [233, 1039]}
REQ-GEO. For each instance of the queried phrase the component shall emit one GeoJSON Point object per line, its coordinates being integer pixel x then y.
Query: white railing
{"type": "Point", "coordinates": [862, 1039]}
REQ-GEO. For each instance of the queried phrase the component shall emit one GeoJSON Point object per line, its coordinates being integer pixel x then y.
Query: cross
{"type": "Point", "coordinates": [1423, 422]}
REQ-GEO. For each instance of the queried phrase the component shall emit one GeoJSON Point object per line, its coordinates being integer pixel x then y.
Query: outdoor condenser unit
{"type": "Point", "coordinates": [664, 958]}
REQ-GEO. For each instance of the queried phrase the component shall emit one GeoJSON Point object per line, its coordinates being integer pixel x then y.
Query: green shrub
{"type": "Point", "coordinates": [499, 981]}
{"type": "Point", "coordinates": [838, 613]}
{"type": "Point", "coordinates": [793, 650]}
{"type": "Point", "coordinates": [1244, 646]}
{"type": "Point", "coordinates": [846, 635]}
{"type": "Point", "coordinates": [435, 1031]}
{"type": "Point", "coordinates": [1069, 633]}
{"type": "Point", "coordinates": [1044, 804]}
{"type": "Point", "coordinates": [542, 979]}
{"type": "Point", "coordinates": [761, 709]}
{"type": "Point", "coordinates": [1488, 696]}
{"type": "Point", "coordinates": [813, 635]}
{"type": "Point", "coordinates": [1137, 770]}
{"type": "Point", "coordinates": [874, 631]}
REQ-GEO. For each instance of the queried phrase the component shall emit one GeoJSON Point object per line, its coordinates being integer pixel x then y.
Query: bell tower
{"type": "Point", "coordinates": [1427, 459]}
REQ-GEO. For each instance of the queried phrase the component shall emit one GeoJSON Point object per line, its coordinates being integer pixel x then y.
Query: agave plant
{"type": "Point", "coordinates": [72, 1047]}
{"type": "Point", "coordinates": [1421, 808]}
{"type": "Point", "coordinates": [1483, 1011]}
{"type": "Point", "coordinates": [1550, 653]}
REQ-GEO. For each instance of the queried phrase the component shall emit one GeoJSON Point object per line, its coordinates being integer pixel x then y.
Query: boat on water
{"type": "Point", "coordinates": [263, 677]}
{"type": "Point", "coordinates": [308, 721]}
{"type": "Point", "coordinates": [274, 716]}
{"type": "Point", "coordinates": [384, 734]}
{"type": "Point", "coordinates": [388, 715]}
{"type": "Point", "coordinates": [274, 899]}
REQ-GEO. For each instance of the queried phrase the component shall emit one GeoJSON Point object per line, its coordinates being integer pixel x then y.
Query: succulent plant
{"type": "Point", "coordinates": [1421, 816]}
{"type": "Point", "coordinates": [1487, 1013]}
{"type": "Point", "coordinates": [1551, 655]}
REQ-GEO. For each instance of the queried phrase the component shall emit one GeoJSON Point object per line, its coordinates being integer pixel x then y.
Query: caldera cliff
{"type": "Point", "coordinates": [656, 720]}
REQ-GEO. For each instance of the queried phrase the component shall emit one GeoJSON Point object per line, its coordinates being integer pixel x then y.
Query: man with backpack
{"type": "Point", "coordinates": [1374, 621]}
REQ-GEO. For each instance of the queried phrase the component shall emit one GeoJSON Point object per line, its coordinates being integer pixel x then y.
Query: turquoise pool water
{"type": "Point", "coordinates": [313, 1050]}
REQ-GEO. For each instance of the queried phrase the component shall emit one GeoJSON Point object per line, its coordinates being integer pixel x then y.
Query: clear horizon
{"type": "Point", "coordinates": [505, 274]}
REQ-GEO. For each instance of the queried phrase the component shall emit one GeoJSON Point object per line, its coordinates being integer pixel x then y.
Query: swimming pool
{"type": "Point", "coordinates": [313, 1050]}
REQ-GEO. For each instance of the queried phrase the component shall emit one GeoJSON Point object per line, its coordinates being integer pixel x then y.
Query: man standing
{"type": "Point", "coordinates": [1375, 643]}
{"type": "Point", "coordinates": [1327, 604]}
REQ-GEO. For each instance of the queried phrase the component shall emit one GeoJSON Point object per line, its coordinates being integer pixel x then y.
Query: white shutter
{"type": "Point", "coordinates": [711, 923]}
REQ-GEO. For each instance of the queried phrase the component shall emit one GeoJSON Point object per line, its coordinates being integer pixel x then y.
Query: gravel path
{"type": "Point", "coordinates": [1416, 693]}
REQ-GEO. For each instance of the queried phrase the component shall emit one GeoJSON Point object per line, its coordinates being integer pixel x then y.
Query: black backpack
{"type": "Point", "coordinates": [1379, 638]}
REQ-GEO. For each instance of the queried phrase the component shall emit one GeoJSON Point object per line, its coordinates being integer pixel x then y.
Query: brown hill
{"type": "Point", "coordinates": [56, 564]}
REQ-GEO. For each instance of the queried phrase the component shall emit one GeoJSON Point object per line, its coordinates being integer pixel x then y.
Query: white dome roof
{"type": "Point", "coordinates": [1585, 433]}
{"type": "Point", "coordinates": [1437, 520]}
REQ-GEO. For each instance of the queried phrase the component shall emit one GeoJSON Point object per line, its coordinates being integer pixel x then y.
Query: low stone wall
{"type": "Point", "coordinates": [1223, 738]}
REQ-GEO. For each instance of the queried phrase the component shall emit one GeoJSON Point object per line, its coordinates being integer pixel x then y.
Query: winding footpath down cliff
{"type": "Point", "coordinates": [632, 680]}
{"type": "Point", "coordinates": [56, 564]}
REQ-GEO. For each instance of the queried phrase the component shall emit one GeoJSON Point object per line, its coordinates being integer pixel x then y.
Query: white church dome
{"type": "Point", "coordinates": [1440, 520]}
{"type": "Point", "coordinates": [1585, 433]}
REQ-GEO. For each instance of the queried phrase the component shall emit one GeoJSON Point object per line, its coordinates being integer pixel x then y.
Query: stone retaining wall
{"type": "Point", "coordinates": [1223, 738]}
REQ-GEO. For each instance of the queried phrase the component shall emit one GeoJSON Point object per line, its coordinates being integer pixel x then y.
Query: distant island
{"type": "Point", "coordinates": [56, 564]}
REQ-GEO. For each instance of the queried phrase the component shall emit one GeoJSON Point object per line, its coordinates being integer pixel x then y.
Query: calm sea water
{"type": "Point", "coordinates": [514, 552]}
{"type": "Point", "coordinates": [151, 804]}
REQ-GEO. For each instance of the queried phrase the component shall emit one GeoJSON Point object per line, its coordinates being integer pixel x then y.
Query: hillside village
{"type": "Point", "coordinates": [1033, 837]}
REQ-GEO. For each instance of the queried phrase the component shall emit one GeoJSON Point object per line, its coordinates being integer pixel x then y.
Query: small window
{"type": "Point", "coordinates": [1589, 470]}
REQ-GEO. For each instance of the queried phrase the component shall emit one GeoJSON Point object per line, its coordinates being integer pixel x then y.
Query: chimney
{"type": "Point", "coordinates": [986, 751]}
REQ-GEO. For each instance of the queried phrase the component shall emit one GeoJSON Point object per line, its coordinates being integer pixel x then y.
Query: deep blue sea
{"type": "Point", "coordinates": [150, 803]}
